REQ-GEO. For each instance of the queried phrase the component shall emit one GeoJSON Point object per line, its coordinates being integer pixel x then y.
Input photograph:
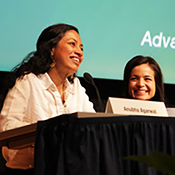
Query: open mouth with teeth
{"type": "Point", "coordinates": [75, 60]}
{"type": "Point", "coordinates": [141, 92]}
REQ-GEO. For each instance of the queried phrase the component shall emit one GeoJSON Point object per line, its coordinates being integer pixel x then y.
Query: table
{"type": "Point", "coordinates": [96, 145]}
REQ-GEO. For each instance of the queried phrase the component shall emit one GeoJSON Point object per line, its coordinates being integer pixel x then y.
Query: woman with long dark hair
{"type": "Point", "coordinates": [44, 86]}
{"type": "Point", "coordinates": [143, 79]}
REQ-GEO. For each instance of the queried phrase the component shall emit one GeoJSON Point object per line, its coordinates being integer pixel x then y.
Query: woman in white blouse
{"type": "Point", "coordinates": [43, 86]}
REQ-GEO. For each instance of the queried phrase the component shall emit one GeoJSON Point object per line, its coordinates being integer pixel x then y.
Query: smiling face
{"type": "Point", "coordinates": [142, 82]}
{"type": "Point", "coordinates": [68, 53]}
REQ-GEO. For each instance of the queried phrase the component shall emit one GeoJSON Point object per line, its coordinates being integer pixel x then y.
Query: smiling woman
{"type": "Point", "coordinates": [143, 79]}
{"type": "Point", "coordinates": [142, 82]}
{"type": "Point", "coordinates": [42, 87]}
{"type": "Point", "coordinates": [68, 53]}
{"type": "Point", "coordinates": [67, 56]}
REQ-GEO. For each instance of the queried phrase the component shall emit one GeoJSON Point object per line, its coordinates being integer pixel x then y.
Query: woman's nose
{"type": "Point", "coordinates": [79, 51]}
{"type": "Point", "coordinates": [140, 82]}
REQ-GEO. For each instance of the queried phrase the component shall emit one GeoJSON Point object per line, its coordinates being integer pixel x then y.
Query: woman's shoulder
{"type": "Point", "coordinates": [32, 82]}
{"type": "Point", "coordinates": [32, 77]}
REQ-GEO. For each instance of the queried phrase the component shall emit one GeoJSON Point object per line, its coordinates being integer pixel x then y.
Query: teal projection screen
{"type": "Point", "coordinates": [112, 32]}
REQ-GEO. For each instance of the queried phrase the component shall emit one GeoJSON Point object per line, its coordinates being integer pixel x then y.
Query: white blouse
{"type": "Point", "coordinates": [36, 98]}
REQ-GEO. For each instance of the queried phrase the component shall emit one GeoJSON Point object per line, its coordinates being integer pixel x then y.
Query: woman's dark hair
{"type": "Point", "coordinates": [138, 60]}
{"type": "Point", "coordinates": [39, 62]}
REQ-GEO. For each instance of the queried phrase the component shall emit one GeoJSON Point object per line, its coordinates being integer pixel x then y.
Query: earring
{"type": "Point", "coordinates": [53, 64]}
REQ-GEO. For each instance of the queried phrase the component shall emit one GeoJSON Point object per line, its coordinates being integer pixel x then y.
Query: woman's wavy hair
{"type": "Point", "coordinates": [138, 60]}
{"type": "Point", "coordinates": [40, 61]}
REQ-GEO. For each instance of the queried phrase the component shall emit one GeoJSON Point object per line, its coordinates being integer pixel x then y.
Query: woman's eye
{"type": "Point", "coordinates": [133, 78]}
{"type": "Point", "coordinates": [148, 79]}
{"type": "Point", "coordinates": [72, 43]}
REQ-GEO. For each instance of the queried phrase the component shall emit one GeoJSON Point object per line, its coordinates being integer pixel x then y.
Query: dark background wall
{"type": "Point", "coordinates": [107, 88]}
{"type": "Point", "coordinates": [114, 88]}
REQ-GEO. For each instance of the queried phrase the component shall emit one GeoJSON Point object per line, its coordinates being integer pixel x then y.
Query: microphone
{"type": "Point", "coordinates": [89, 79]}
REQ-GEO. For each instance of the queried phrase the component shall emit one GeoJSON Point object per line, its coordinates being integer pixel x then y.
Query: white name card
{"type": "Point", "coordinates": [125, 106]}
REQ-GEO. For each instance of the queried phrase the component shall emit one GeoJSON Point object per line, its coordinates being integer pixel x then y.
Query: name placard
{"type": "Point", "coordinates": [125, 106]}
